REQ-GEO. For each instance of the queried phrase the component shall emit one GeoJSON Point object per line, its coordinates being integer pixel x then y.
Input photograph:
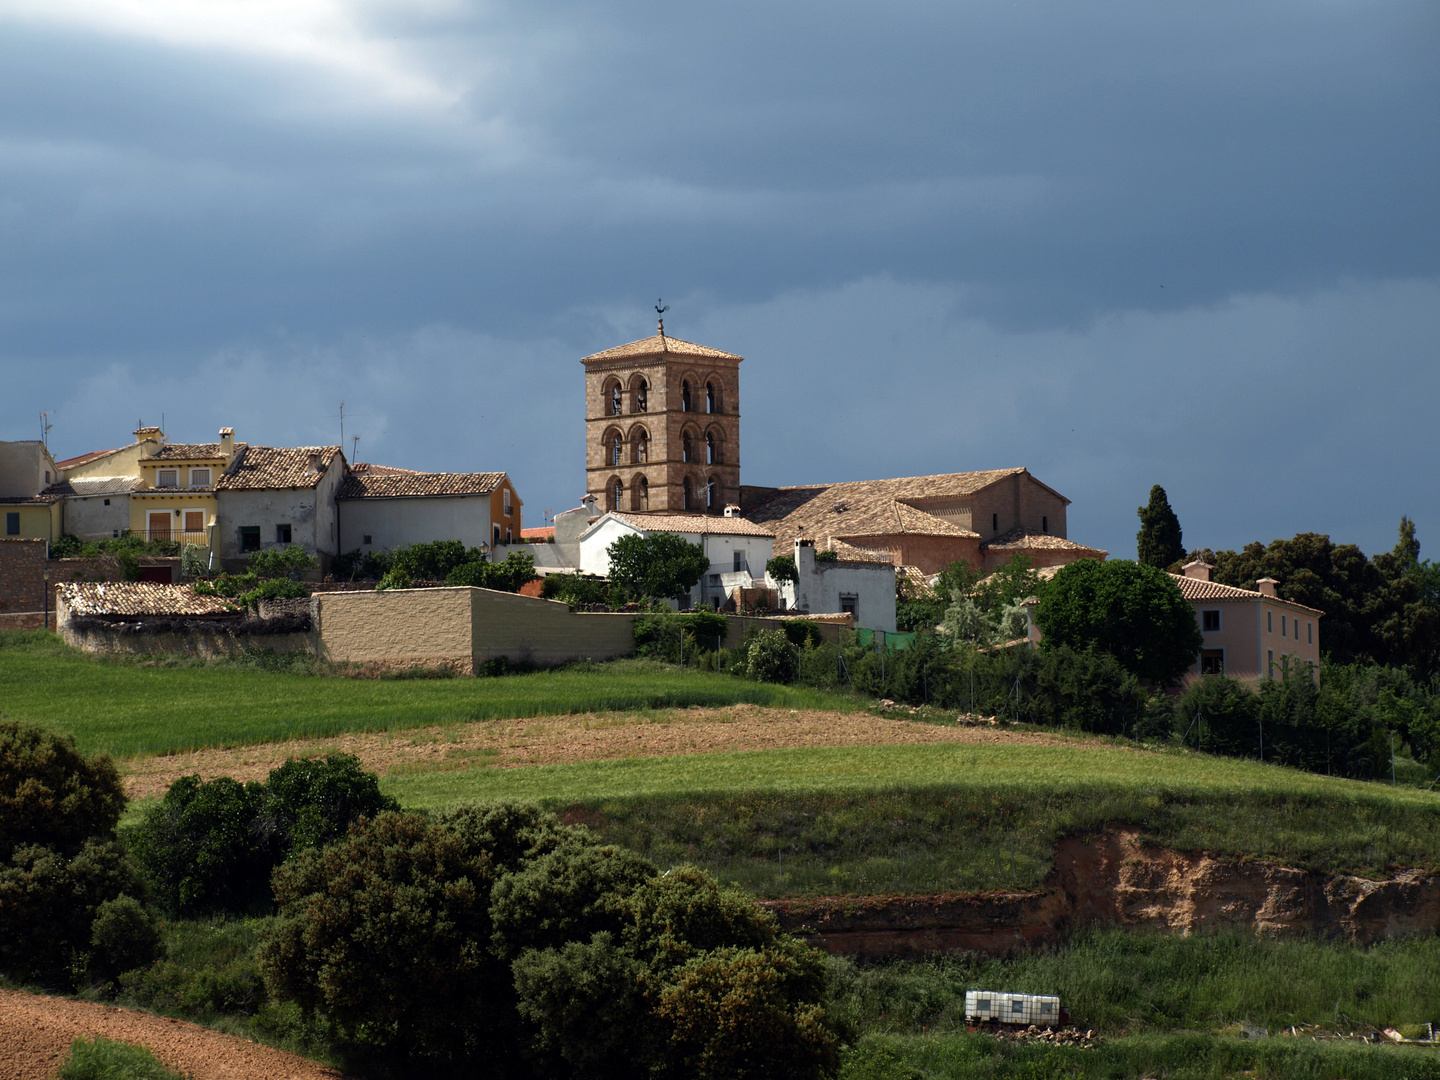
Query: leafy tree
{"type": "Point", "coordinates": [396, 577]}
{"type": "Point", "coordinates": [782, 569]}
{"type": "Point", "coordinates": [311, 802]}
{"type": "Point", "coordinates": [518, 569]}
{"type": "Point", "coordinates": [771, 658]}
{"type": "Point", "coordinates": [577, 590]}
{"type": "Point", "coordinates": [660, 565]}
{"type": "Point", "coordinates": [288, 562]}
{"type": "Point", "coordinates": [200, 849]}
{"type": "Point", "coordinates": [59, 860]}
{"type": "Point", "coordinates": [1159, 542]}
{"type": "Point", "coordinates": [1134, 612]}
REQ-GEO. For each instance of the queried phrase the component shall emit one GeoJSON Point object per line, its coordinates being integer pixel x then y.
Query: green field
{"type": "Point", "coordinates": [933, 818]}
{"type": "Point", "coordinates": [125, 707]}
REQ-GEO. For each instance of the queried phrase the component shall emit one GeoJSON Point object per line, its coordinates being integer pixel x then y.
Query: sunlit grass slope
{"type": "Point", "coordinates": [933, 818]}
{"type": "Point", "coordinates": [124, 707]}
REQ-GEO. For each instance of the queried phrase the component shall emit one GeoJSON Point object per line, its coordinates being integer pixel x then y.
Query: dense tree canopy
{"type": "Point", "coordinates": [1383, 610]}
{"type": "Point", "coordinates": [1134, 612]}
{"type": "Point", "coordinates": [660, 565]}
{"type": "Point", "coordinates": [1159, 542]}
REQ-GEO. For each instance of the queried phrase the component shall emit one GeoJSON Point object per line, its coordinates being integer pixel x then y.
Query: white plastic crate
{"type": "Point", "coordinates": [1026, 1009]}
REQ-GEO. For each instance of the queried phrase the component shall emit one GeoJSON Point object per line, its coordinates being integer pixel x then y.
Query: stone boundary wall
{"type": "Point", "coordinates": [204, 642]}
{"type": "Point", "coordinates": [740, 625]}
{"type": "Point", "coordinates": [22, 574]}
{"type": "Point", "coordinates": [26, 620]}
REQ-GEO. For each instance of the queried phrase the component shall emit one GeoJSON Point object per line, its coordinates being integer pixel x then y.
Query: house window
{"type": "Point", "coordinates": [495, 530]}
{"type": "Point", "coordinates": [12, 524]}
{"type": "Point", "coordinates": [1270, 663]}
{"type": "Point", "coordinates": [167, 478]}
{"type": "Point", "coordinates": [849, 604]}
{"type": "Point", "coordinates": [1045, 528]}
{"type": "Point", "coordinates": [995, 523]}
{"type": "Point", "coordinates": [282, 534]}
{"type": "Point", "coordinates": [366, 539]}
{"type": "Point", "coordinates": [1210, 621]}
{"type": "Point", "coordinates": [737, 561]}
{"type": "Point", "coordinates": [107, 502]}
{"type": "Point", "coordinates": [199, 477]}
{"type": "Point", "coordinates": [1309, 633]}
{"type": "Point", "coordinates": [1269, 622]}
{"type": "Point", "coordinates": [1212, 662]}
{"type": "Point", "coordinates": [506, 497]}
{"type": "Point", "coordinates": [249, 538]}
{"type": "Point", "coordinates": [194, 521]}
{"type": "Point", "coordinates": [47, 476]}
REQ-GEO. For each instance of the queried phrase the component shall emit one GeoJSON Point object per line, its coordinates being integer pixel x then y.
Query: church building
{"type": "Point", "coordinates": [662, 427]}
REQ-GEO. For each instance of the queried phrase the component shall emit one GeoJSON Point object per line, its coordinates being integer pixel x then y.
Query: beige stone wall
{"type": "Point", "coordinates": [1018, 502]}
{"type": "Point", "coordinates": [400, 627]}
{"type": "Point", "coordinates": [526, 629]}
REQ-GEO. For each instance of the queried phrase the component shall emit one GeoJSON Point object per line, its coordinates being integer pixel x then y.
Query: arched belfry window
{"type": "Point", "coordinates": [687, 446]}
{"type": "Point", "coordinates": [712, 495]}
{"type": "Point", "coordinates": [612, 398]}
{"type": "Point", "coordinates": [689, 494]}
{"type": "Point", "coordinates": [687, 403]}
{"type": "Point", "coordinates": [613, 447]}
{"type": "Point", "coordinates": [639, 446]}
{"type": "Point", "coordinates": [642, 395]}
{"type": "Point", "coordinates": [640, 494]}
{"type": "Point", "coordinates": [712, 449]}
{"type": "Point", "coordinates": [712, 397]}
{"type": "Point", "coordinates": [617, 492]}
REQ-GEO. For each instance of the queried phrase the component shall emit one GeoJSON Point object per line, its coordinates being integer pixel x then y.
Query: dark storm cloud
{"type": "Point", "coordinates": [442, 206]}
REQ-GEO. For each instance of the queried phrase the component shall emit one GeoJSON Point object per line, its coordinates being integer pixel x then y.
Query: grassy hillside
{"type": "Point", "coordinates": [125, 707]}
{"type": "Point", "coordinates": [920, 819]}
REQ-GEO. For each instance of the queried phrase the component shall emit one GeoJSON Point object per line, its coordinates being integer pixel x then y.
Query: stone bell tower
{"type": "Point", "coordinates": [662, 427]}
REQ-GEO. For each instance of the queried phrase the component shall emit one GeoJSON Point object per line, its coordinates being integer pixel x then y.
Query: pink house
{"type": "Point", "coordinates": [1248, 634]}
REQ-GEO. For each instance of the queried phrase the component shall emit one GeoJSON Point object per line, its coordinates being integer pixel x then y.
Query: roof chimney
{"type": "Point", "coordinates": [1266, 585]}
{"type": "Point", "coordinates": [731, 510]}
{"type": "Point", "coordinates": [1199, 569]}
{"type": "Point", "coordinates": [315, 465]}
{"type": "Point", "coordinates": [149, 439]}
{"type": "Point", "coordinates": [227, 443]}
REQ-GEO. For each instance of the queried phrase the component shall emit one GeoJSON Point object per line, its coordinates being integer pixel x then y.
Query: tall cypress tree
{"type": "Point", "coordinates": [1158, 543]}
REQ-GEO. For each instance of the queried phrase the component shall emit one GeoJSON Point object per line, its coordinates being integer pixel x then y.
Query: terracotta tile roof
{"type": "Point", "coordinates": [710, 524]}
{"type": "Point", "coordinates": [97, 485]}
{"type": "Point", "coordinates": [660, 346]}
{"type": "Point", "coordinates": [399, 484]}
{"type": "Point", "coordinates": [540, 533]}
{"type": "Point", "coordinates": [1199, 589]}
{"type": "Point", "coordinates": [48, 497]}
{"type": "Point", "coordinates": [260, 467]}
{"type": "Point", "coordinates": [188, 452]}
{"type": "Point", "coordinates": [381, 470]}
{"type": "Point", "coordinates": [871, 507]}
{"type": "Point", "coordinates": [82, 459]}
{"type": "Point", "coordinates": [138, 598]}
{"type": "Point", "coordinates": [1020, 540]}
{"type": "Point", "coordinates": [850, 553]}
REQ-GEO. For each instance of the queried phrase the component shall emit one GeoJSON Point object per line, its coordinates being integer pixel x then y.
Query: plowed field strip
{"type": "Point", "coordinates": [562, 739]}
{"type": "Point", "coordinates": [36, 1033]}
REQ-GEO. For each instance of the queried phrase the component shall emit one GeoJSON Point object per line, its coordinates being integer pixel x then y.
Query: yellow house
{"type": "Point", "coordinates": [175, 499]}
{"type": "Point", "coordinates": [30, 509]}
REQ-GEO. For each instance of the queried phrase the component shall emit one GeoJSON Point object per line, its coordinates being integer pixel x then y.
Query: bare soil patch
{"type": "Point", "coordinates": [36, 1032]}
{"type": "Point", "coordinates": [552, 740]}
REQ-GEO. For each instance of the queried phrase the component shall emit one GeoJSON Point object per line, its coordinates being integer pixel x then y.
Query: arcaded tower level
{"type": "Point", "coordinates": [662, 427]}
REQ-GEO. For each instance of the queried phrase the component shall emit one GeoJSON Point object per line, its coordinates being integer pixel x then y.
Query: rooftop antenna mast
{"type": "Point", "coordinates": [342, 425]}
{"type": "Point", "coordinates": [45, 427]}
{"type": "Point", "coordinates": [354, 448]}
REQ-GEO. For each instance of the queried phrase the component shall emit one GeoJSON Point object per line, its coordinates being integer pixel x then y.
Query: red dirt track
{"type": "Point", "coordinates": [36, 1032]}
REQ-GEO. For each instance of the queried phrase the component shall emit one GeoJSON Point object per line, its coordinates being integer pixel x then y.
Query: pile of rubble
{"type": "Point", "coordinates": [976, 720]}
{"type": "Point", "coordinates": [1066, 1036]}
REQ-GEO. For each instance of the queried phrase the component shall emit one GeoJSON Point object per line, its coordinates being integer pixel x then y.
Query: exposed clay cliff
{"type": "Point", "coordinates": [1114, 879]}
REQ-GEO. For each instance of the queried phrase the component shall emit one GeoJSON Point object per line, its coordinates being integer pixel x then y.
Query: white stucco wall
{"type": "Point", "coordinates": [821, 585]}
{"type": "Point", "coordinates": [23, 469]}
{"type": "Point", "coordinates": [310, 513]}
{"type": "Point", "coordinates": [719, 548]}
{"type": "Point", "coordinates": [391, 523]}
{"type": "Point", "coordinates": [87, 516]}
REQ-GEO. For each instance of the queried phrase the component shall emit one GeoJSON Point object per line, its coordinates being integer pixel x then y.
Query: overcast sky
{"type": "Point", "coordinates": [1119, 243]}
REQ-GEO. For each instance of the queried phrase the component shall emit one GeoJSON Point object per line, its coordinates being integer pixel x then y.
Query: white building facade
{"type": "Point", "coordinates": [865, 590]}
{"type": "Point", "coordinates": [733, 546]}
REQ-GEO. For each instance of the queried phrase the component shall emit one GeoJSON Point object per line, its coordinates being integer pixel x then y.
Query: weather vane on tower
{"type": "Point", "coordinates": [660, 311]}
